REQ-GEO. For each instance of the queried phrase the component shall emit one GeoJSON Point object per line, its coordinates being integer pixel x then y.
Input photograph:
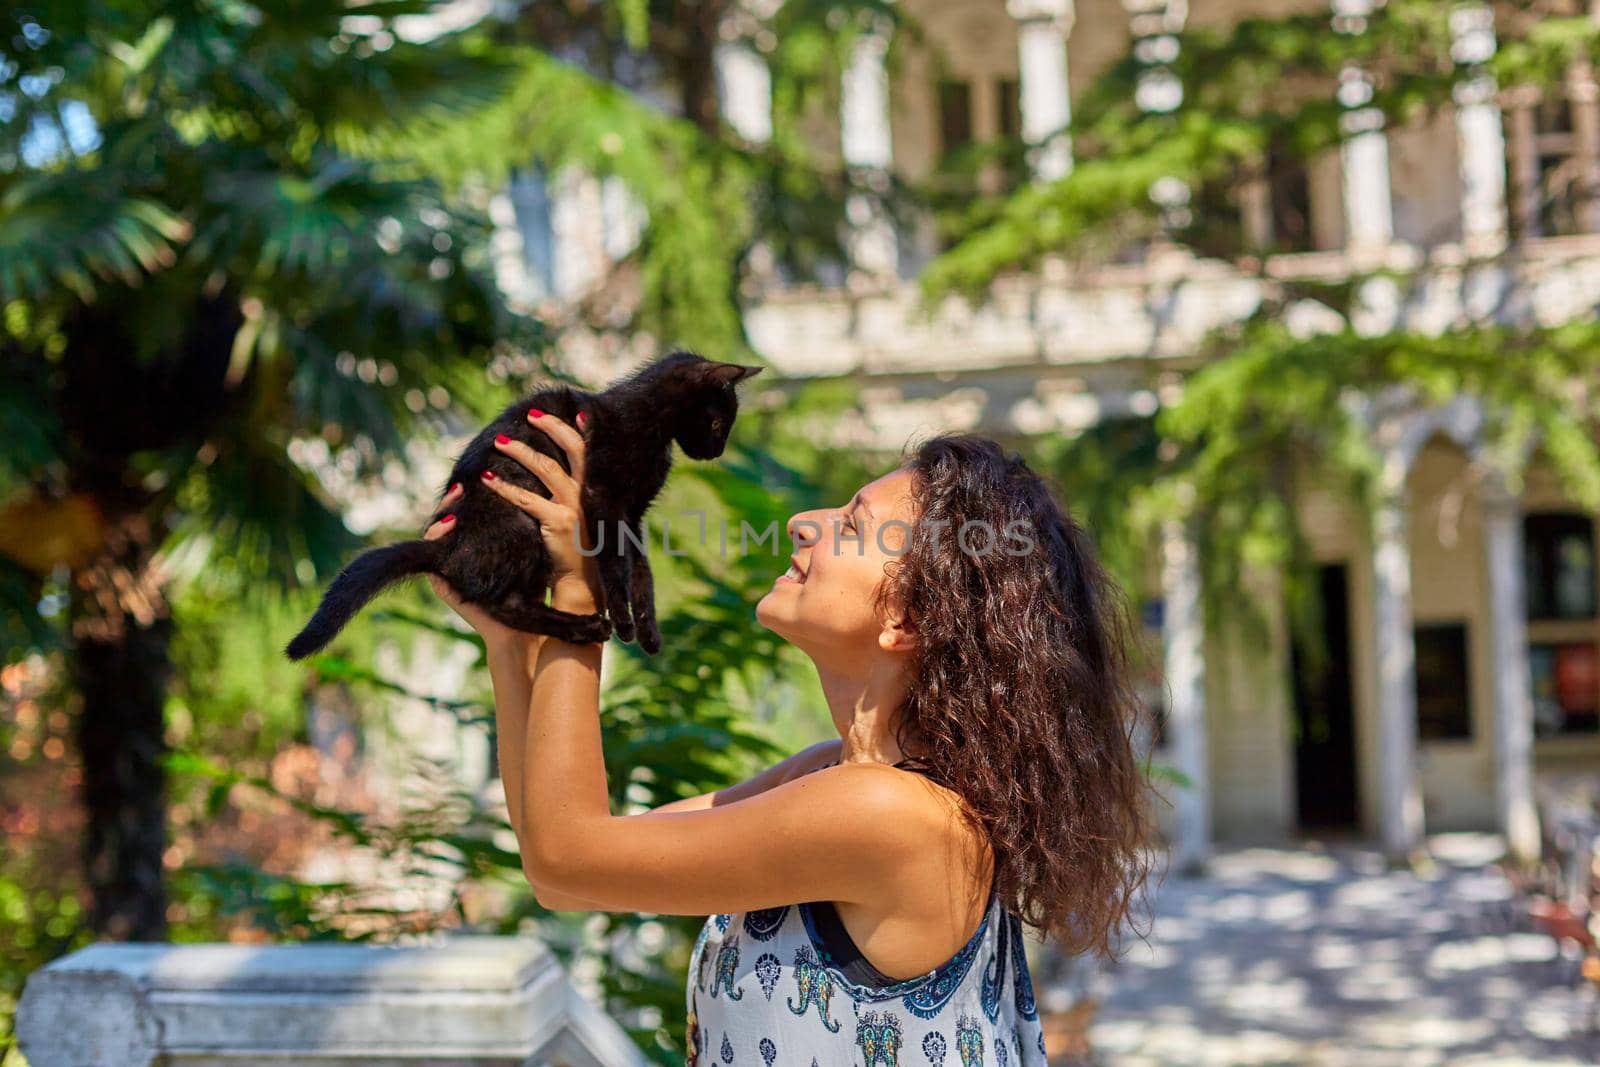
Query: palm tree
{"type": "Point", "coordinates": [208, 247]}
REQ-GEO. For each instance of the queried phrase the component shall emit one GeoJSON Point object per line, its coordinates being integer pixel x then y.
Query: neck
{"type": "Point", "coordinates": [642, 417]}
{"type": "Point", "coordinates": [866, 711]}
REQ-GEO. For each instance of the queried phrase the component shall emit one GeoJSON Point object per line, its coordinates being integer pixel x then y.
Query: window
{"type": "Point", "coordinates": [955, 114]}
{"type": "Point", "coordinates": [1444, 704]}
{"type": "Point", "coordinates": [1009, 95]}
{"type": "Point", "coordinates": [1558, 553]}
{"type": "Point", "coordinates": [1289, 196]}
{"type": "Point", "coordinates": [1551, 194]}
{"type": "Point", "coordinates": [1013, 153]}
{"type": "Point", "coordinates": [1560, 185]}
{"type": "Point", "coordinates": [1566, 688]}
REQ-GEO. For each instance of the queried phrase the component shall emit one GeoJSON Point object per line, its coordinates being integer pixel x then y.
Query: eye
{"type": "Point", "coordinates": [716, 425]}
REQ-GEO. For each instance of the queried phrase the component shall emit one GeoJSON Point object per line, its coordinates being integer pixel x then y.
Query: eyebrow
{"type": "Point", "coordinates": [859, 499]}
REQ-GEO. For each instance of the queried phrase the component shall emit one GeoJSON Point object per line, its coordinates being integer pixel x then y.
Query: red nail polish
{"type": "Point", "coordinates": [488, 476]}
{"type": "Point", "coordinates": [535, 413]}
{"type": "Point", "coordinates": [581, 417]}
{"type": "Point", "coordinates": [500, 438]}
{"type": "Point", "coordinates": [453, 488]}
{"type": "Point", "coordinates": [448, 518]}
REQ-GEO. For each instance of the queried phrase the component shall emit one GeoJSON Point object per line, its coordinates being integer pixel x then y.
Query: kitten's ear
{"type": "Point", "coordinates": [731, 373]}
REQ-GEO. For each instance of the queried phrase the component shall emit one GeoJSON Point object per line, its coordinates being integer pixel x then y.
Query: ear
{"type": "Point", "coordinates": [897, 635]}
{"type": "Point", "coordinates": [731, 373]}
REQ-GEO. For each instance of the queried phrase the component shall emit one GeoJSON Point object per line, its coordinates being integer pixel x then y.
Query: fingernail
{"type": "Point", "coordinates": [488, 476]}
{"type": "Point", "coordinates": [453, 488]}
{"type": "Point", "coordinates": [500, 438]}
{"type": "Point", "coordinates": [448, 518]}
{"type": "Point", "coordinates": [535, 413]}
{"type": "Point", "coordinates": [581, 417]}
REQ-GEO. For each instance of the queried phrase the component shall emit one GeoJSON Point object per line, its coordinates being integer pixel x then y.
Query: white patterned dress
{"type": "Point", "coordinates": [786, 986]}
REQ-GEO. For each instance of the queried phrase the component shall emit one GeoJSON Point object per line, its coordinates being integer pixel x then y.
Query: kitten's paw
{"type": "Point", "coordinates": [649, 636]}
{"type": "Point", "coordinates": [590, 629]}
{"type": "Point", "coordinates": [624, 628]}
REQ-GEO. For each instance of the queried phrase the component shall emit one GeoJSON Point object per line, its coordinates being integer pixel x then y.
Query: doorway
{"type": "Point", "coordinates": [1324, 714]}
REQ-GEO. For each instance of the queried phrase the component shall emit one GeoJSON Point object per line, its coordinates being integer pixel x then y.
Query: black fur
{"type": "Point", "coordinates": [495, 557]}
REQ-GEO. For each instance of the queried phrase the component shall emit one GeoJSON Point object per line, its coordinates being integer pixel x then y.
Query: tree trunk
{"type": "Point", "coordinates": [697, 65]}
{"type": "Point", "coordinates": [121, 665]}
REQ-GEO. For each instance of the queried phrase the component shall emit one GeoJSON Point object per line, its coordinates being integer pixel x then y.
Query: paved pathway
{"type": "Point", "coordinates": [1323, 957]}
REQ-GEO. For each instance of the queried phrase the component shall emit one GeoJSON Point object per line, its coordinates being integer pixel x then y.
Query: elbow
{"type": "Point", "coordinates": [546, 899]}
{"type": "Point", "coordinates": [550, 862]}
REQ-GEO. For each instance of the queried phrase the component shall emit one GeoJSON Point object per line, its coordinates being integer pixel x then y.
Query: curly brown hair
{"type": "Point", "coordinates": [1020, 694]}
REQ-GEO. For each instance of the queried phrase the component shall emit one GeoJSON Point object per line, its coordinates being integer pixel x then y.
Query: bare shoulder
{"type": "Point", "coordinates": [938, 860]}
{"type": "Point", "coordinates": [898, 804]}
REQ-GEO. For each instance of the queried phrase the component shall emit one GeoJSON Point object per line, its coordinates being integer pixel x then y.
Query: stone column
{"type": "Point", "coordinates": [1042, 28]}
{"type": "Point", "coordinates": [1478, 129]}
{"type": "Point", "coordinates": [868, 153]}
{"type": "Point", "coordinates": [1368, 208]}
{"type": "Point", "coordinates": [1182, 638]}
{"type": "Point", "coordinates": [1399, 786]}
{"type": "Point", "coordinates": [1513, 680]}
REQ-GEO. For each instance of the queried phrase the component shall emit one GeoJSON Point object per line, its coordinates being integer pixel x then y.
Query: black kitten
{"type": "Point", "coordinates": [496, 559]}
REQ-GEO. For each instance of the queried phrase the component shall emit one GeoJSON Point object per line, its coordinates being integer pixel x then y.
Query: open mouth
{"type": "Point", "coordinates": [793, 574]}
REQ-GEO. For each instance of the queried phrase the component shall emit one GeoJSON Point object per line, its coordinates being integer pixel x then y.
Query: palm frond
{"type": "Point", "coordinates": [72, 228]}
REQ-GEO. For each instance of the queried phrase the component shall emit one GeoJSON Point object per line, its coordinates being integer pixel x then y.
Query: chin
{"type": "Point", "coordinates": [771, 616]}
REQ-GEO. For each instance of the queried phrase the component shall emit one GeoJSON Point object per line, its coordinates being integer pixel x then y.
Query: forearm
{"type": "Point", "coordinates": [511, 665]}
{"type": "Point", "coordinates": [565, 802]}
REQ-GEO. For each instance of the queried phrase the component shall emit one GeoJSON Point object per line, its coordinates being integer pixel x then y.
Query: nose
{"type": "Point", "coordinates": [813, 529]}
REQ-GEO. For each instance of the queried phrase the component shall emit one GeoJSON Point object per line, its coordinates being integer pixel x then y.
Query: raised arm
{"type": "Point", "coordinates": [511, 663]}
{"type": "Point", "coordinates": [840, 833]}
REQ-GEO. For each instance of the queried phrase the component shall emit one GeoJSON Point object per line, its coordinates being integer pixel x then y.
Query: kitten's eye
{"type": "Point", "coordinates": [716, 425]}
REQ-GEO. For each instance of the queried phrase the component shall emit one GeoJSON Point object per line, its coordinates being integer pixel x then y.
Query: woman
{"type": "Point", "coordinates": [866, 896]}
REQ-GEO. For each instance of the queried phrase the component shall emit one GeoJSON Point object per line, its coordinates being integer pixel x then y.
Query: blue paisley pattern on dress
{"type": "Point", "coordinates": [959, 1014]}
{"type": "Point", "coordinates": [929, 999]}
{"type": "Point", "coordinates": [814, 984]}
{"type": "Point", "coordinates": [969, 1042]}
{"type": "Point", "coordinates": [763, 925]}
{"type": "Point", "coordinates": [1026, 1006]}
{"type": "Point", "coordinates": [994, 972]}
{"type": "Point", "coordinates": [768, 971]}
{"type": "Point", "coordinates": [727, 972]}
{"type": "Point", "coordinates": [878, 1036]}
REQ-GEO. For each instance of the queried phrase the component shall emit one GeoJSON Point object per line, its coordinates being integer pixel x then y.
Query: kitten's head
{"type": "Point", "coordinates": [707, 405]}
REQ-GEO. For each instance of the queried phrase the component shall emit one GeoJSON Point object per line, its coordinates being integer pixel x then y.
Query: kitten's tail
{"type": "Point", "coordinates": [364, 578]}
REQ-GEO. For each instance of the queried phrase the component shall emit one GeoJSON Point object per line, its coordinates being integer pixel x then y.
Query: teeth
{"type": "Point", "coordinates": [793, 572]}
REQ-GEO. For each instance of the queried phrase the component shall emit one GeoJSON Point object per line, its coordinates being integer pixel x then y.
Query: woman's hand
{"type": "Point", "coordinates": [575, 578]}
{"type": "Point", "coordinates": [490, 629]}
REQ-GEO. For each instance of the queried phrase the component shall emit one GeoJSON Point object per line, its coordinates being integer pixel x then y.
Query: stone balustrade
{"type": "Point", "coordinates": [454, 1002]}
{"type": "Point", "coordinates": [1159, 308]}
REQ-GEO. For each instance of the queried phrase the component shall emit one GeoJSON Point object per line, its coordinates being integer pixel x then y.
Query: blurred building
{"type": "Point", "coordinates": [1463, 621]}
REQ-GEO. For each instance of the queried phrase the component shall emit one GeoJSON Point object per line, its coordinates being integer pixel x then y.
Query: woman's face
{"type": "Point", "coordinates": [823, 604]}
